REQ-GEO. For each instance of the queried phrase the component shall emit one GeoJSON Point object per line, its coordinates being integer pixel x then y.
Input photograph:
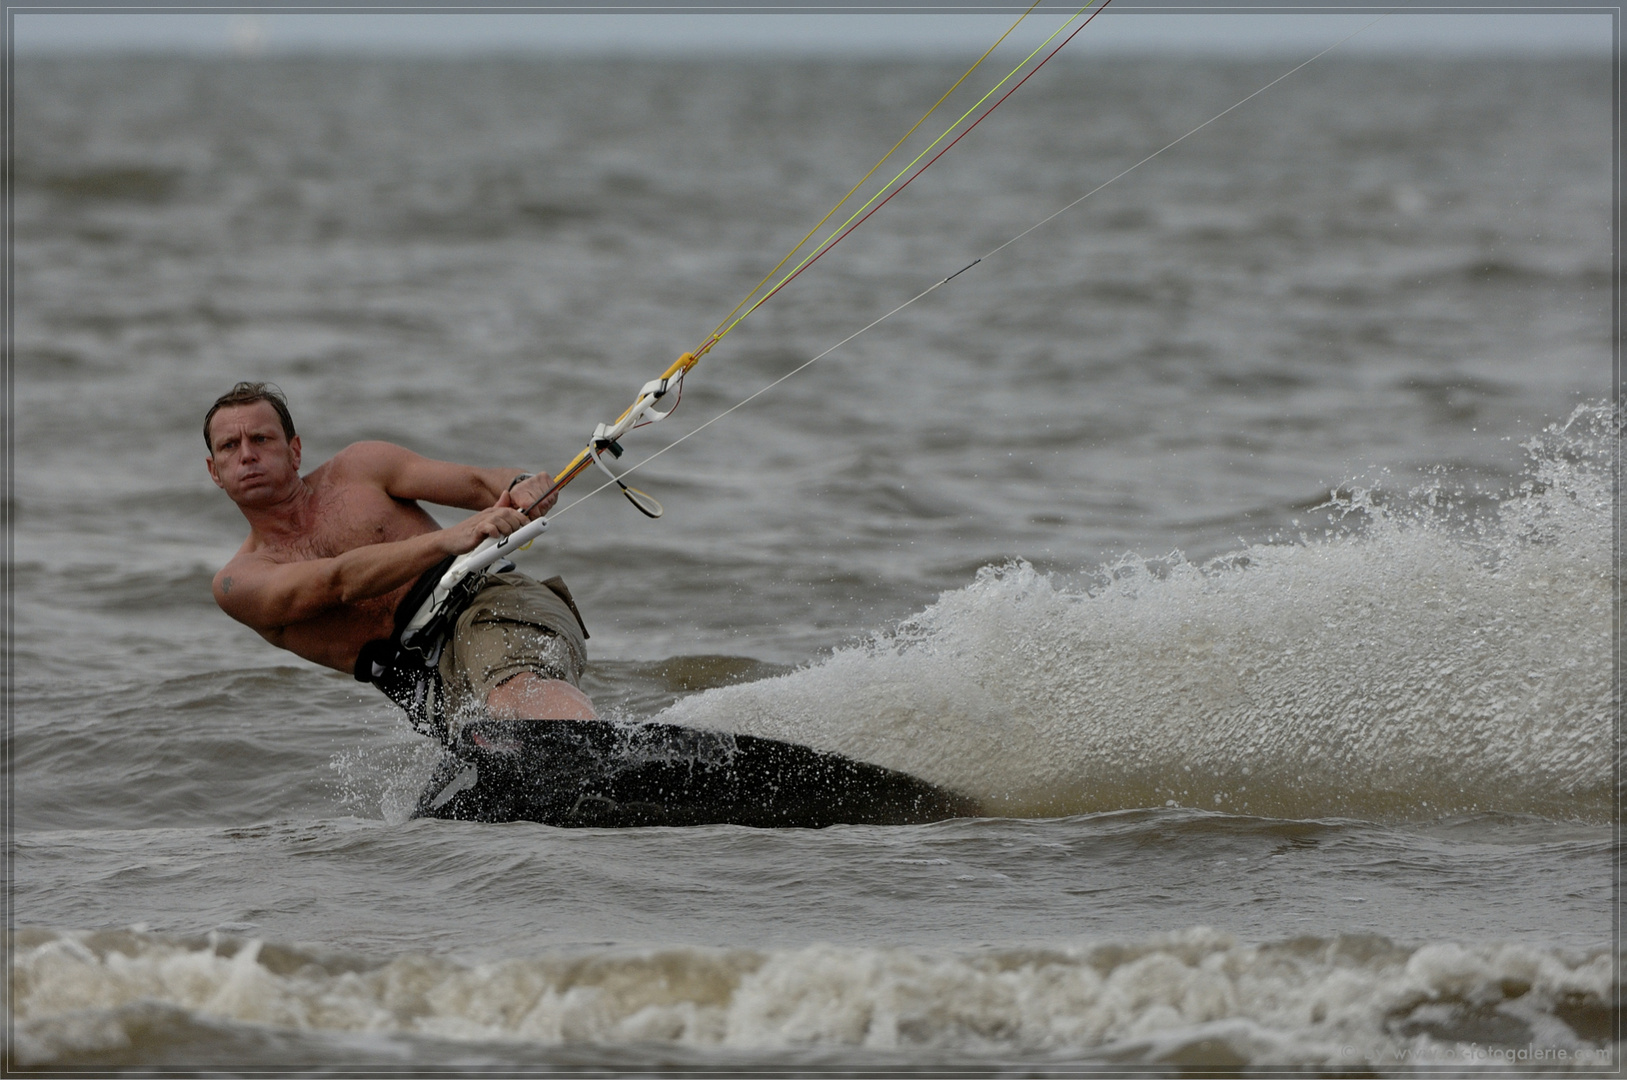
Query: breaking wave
{"type": "Point", "coordinates": [1194, 998]}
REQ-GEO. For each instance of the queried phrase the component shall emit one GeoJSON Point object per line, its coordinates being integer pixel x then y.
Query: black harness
{"type": "Point", "coordinates": [408, 671]}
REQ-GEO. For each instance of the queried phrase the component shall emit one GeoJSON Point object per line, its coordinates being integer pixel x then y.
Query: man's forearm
{"type": "Point", "coordinates": [376, 569]}
{"type": "Point", "coordinates": [280, 595]}
{"type": "Point", "coordinates": [365, 572]}
{"type": "Point", "coordinates": [491, 485]}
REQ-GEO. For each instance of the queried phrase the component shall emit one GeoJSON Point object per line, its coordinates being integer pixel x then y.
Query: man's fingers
{"type": "Point", "coordinates": [544, 482]}
{"type": "Point", "coordinates": [499, 521]}
{"type": "Point", "coordinates": [526, 492]}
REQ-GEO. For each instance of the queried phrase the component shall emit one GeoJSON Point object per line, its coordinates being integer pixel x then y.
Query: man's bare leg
{"type": "Point", "coordinates": [528, 696]}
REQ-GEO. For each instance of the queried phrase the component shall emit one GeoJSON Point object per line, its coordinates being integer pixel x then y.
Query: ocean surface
{"type": "Point", "coordinates": [1241, 538]}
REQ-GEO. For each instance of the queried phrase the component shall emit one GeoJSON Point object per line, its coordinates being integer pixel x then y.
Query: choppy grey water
{"type": "Point", "coordinates": [1242, 538]}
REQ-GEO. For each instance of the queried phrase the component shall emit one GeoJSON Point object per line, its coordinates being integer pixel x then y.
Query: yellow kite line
{"type": "Point", "coordinates": [724, 327]}
{"type": "Point", "coordinates": [717, 334]}
{"type": "Point", "coordinates": [988, 254]}
{"type": "Point", "coordinates": [680, 367]}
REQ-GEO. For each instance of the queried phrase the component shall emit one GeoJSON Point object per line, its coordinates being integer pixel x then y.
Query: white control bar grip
{"type": "Point", "coordinates": [491, 550]}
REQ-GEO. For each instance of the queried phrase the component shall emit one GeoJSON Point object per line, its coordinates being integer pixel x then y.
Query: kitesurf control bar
{"type": "Point", "coordinates": [489, 551]}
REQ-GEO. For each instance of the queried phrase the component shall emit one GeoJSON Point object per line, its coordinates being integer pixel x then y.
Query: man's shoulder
{"type": "Point", "coordinates": [371, 450]}
{"type": "Point", "coordinates": [370, 460]}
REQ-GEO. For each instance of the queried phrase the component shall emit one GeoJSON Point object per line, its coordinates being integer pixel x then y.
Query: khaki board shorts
{"type": "Point", "coordinates": [515, 624]}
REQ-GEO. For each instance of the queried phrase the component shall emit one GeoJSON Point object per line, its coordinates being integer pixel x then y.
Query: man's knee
{"type": "Point", "coordinates": [528, 696]}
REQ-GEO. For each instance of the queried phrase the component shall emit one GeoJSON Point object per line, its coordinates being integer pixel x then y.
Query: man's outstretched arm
{"type": "Point", "coordinates": [406, 475]}
{"type": "Point", "coordinates": [268, 595]}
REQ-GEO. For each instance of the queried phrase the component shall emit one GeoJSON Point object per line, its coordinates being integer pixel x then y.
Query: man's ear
{"type": "Point", "coordinates": [293, 444]}
{"type": "Point", "coordinates": [209, 463]}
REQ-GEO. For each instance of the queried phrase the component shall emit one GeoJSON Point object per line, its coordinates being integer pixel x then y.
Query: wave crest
{"type": "Point", "coordinates": [1196, 995]}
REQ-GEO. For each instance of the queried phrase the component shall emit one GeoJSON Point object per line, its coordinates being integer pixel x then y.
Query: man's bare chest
{"type": "Point", "coordinates": [347, 517]}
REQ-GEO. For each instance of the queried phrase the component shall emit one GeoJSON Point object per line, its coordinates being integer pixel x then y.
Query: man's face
{"type": "Point", "coordinates": [253, 461]}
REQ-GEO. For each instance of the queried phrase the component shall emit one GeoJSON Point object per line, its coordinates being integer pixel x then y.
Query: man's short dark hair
{"type": "Point", "coordinates": [247, 393]}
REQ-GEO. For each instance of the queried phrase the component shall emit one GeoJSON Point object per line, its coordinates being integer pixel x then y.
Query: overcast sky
{"type": "Point", "coordinates": [1119, 29]}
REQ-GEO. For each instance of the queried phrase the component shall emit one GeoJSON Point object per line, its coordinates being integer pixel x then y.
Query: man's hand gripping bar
{"type": "Point", "coordinates": [471, 562]}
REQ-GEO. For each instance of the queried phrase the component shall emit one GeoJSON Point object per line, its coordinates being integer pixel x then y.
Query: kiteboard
{"type": "Point", "coordinates": [596, 774]}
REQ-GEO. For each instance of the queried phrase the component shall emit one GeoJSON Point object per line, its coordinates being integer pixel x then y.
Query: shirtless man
{"type": "Point", "coordinates": [330, 556]}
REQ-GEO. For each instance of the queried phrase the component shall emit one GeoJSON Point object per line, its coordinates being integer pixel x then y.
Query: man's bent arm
{"type": "Point", "coordinates": [268, 595]}
{"type": "Point", "coordinates": [406, 475]}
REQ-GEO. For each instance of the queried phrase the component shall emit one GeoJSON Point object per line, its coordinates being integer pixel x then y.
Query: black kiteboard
{"type": "Point", "coordinates": [595, 774]}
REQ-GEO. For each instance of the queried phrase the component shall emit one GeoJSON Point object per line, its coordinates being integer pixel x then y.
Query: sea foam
{"type": "Point", "coordinates": [1194, 996]}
